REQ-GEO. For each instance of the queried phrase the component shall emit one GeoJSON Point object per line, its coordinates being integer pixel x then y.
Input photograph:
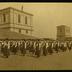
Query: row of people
{"type": "Point", "coordinates": [36, 47]}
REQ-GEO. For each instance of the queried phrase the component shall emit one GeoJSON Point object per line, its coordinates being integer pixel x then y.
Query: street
{"type": "Point", "coordinates": [60, 61]}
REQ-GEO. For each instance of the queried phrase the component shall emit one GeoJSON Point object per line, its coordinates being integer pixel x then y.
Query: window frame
{"type": "Point", "coordinates": [19, 30]}
{"type": "Point", "coordinates": [19, 18]}
{"type": "Point", "coordinates": [25, 19]}
{"type": "Point", "coordinates": [4, 18]}
{"type": "Point", "coordinates": [26, 31]}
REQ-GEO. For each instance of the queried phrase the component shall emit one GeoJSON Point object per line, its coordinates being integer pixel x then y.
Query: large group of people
{"type": "Point", "coordinates": [35, 48]}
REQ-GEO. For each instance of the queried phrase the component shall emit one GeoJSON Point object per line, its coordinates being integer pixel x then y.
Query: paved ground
{"type": "Point", "coordinates": [50, 62]}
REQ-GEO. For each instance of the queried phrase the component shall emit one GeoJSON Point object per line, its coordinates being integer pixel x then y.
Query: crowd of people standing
{"type": "Point", "coordinates": [35, 48]}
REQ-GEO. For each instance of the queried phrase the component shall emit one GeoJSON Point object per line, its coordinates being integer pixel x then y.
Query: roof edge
{"type": "Point", "coordinates": [17, 10]}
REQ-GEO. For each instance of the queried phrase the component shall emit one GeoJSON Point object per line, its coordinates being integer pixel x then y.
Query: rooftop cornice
{"type": "Point", "coordinates": [17, 10]}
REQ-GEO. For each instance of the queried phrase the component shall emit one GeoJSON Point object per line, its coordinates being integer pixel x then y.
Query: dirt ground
{"type": "Point", "coordinates": [60, 61]}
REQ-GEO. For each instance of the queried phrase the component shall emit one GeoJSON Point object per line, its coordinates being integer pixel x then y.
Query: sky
{"type": "Point", "coordinates": [46, 16]}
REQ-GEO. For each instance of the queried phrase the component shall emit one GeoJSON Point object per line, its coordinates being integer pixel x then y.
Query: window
{"type": "Point", "coordinates": [67, 30]}
{"type": "Point", "coordinates": [60, 30]}
{"type": "Point", "coordinates": [19, 18]}
{"type": "Point", "coordinates": [26, 31]}
{"type": "Point", "coordinates": [19, 30]}
{"type": "Point", "coordinates": [4, 18]}
{"type": "Point", "coordinates": [25, 19]}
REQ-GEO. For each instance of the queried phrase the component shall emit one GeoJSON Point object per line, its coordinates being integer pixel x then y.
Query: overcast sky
{"type": "Point", "coordinates": [46, 16]}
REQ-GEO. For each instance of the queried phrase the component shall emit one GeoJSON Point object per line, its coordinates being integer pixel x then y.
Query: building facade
{"type": "Point", "coordinates": [16, 21]}
{"type": "Point", "coordinates": [63, 32]}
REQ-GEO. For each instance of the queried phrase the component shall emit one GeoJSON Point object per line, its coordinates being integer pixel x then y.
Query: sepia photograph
{"type": "Point", "coordinates": [35, 36]}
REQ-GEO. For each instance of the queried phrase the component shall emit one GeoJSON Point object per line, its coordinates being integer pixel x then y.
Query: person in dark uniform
{"type": "Point", "coordinates": [59, 46]}
{"type": "Point", "coordinates": [22, 48]}
{"type": "Point", "coordinates": [2, 46]}
{"type": "Point", "coordinates": [32, 50]}
{"type": "Point", "coordinates": [5, 50]}
{"type": "Point", "coordinates": [14, 47]}
{"type": "Point", "coordinates": [50, 51]}
{"type": "Point", "coordinates": [65, 46]}
{"type": "Point", "coordinates": [37, 50]}
{"type": "Point", "coordinates": [44, 48]}
{"type": "Point", "coordinates": [56, 47]}
{"type": "Point", "coordinates": [71, 45]}
{"type": "Point", "coordinates": [27, 45]}
{"type": "Point", "coordinates": [62, 47]}
{"type": "Point", "coordinates": [34, 46]}
{"type": "Point", "coordinates": [11, 46]}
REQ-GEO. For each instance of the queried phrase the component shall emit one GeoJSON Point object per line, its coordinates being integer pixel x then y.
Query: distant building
{"type": "Point", "coordinates": [15, 20]}
{"type": "Point", "coordinates": [63, 32]}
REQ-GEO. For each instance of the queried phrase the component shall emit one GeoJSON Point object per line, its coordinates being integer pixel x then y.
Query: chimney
{"type": "Point", "coordinates": [22, 8]}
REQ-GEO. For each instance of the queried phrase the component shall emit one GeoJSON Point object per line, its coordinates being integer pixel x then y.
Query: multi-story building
{"type": "Point", "coordinates": [63, 32]}
{"type": "Point", "coordinates": [15, 20]}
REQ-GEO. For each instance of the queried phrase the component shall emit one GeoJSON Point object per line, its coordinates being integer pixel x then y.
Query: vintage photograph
{"type": "Point", "coordinates": [35, 36]}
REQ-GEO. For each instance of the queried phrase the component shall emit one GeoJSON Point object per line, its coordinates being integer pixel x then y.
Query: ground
{"type": "Point", "coordinates": [61, 61]}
